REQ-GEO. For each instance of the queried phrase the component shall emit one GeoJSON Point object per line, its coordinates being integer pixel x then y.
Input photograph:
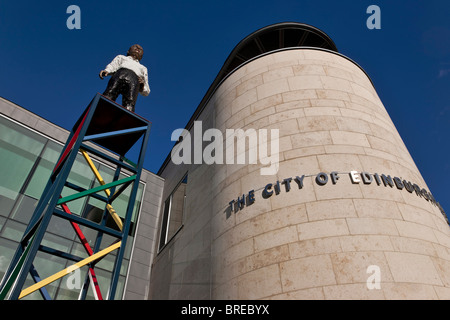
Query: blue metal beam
{"type": "Point", "coordinates": [87, 223]}
{"type": "Point", "coordinates": [113, 133]}
{"type": "Point", "coordinates": [128, 215]}
{"type": "Point", "coordinates": [34, 274]}
{"type": "Point", "coordinates": [59, 253]}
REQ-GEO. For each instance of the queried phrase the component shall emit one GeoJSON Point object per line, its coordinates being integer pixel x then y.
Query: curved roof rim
{"type": "Point", "coordinates": [254, 41]}
{"type": "Point", "coordinates": [287, 25]}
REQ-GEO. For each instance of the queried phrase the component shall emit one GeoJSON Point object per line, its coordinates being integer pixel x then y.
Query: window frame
{"type": "Point", "coordinates": [165, 221]}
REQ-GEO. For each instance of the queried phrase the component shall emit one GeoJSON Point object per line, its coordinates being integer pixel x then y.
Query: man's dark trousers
{"type": "Point", "coordinates": [126, 83]}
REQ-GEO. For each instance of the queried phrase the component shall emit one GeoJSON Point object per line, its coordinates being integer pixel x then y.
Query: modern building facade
{"type": "Point", "coordinates": [317, 199]}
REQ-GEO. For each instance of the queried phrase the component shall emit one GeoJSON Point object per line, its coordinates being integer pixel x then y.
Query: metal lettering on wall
{"type": "Point", "coordinates": [322, 178]}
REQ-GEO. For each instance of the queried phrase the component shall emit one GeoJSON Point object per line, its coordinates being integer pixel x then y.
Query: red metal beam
{"type": "Point", "coordinates": [90, 252]}
{"type": "Point", "coordinates": [71, 143]}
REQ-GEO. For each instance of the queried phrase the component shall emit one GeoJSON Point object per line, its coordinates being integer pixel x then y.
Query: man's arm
{"type": "Point", "coordinates": [103, 73]}
{"type": "Point", "coordinates": [143, 81]}
{"type": "Point", "coordinates": [112, 67]}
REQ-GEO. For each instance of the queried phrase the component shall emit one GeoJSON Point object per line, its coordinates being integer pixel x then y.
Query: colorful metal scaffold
{"type": "Point", "coordinates": [116, 129]}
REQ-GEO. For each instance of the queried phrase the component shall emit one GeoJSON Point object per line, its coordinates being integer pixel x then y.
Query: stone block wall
{"type": "Point", "coordinates": [347, 196]}
{"type": "Point", "coordinates": [318, 242]}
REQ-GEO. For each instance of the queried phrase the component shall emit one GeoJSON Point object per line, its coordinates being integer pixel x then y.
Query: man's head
{"type": "Point", "coordinates": [136, 52]}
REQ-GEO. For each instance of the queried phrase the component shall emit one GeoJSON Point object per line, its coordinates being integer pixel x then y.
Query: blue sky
{"type": "Point", "coordinates": [53, 71]}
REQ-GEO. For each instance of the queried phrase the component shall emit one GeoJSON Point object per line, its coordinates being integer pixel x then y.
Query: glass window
{"type": "Point", "coordinates": [24, 208]}
{"type": "Point", "coordinates": [8, 248]}
{"type": "Point", "coordinates": [82, 176]}
{"type": "Point", "coordinates": [173, 213]}
{"type": "Point", "coordinates": [61, 227]}
{"type": "Point", "coordinates": [56, 242]}
{"type": "Point", "coordinates": [19, 150]}
{"type": "Point", "coordinates": [2, 222]}
{"type": "Point", "coordinates": [13, 230]}
{"type": "Point", "coordinates": [45, 167]}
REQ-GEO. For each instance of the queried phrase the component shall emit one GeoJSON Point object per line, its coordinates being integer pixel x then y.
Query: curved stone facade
{"type": "Point", "coordinates": [346, 216]}
{"type": "Point", "coordinates": [319, 241]}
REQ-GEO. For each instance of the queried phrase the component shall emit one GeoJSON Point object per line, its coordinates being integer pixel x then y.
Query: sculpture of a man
{"type": "Point", "coordinates": [128, 77]}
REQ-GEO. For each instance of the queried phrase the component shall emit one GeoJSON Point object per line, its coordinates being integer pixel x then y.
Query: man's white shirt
{"type": "Point", "coordinates": [132, 64]}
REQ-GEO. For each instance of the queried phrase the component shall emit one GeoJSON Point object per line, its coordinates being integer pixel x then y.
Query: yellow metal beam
{"type": "Point", "coordinates": [94, 170]}
{"type": "Point", "coordinates": [115, 216]}
{"type": "Point", "coordinates": [109, 207]}
{"type": "Point", "coordinates": [68, 270]}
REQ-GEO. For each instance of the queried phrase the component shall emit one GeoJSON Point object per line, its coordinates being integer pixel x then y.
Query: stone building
{"type": "Point", "coordinates": [347, 215]}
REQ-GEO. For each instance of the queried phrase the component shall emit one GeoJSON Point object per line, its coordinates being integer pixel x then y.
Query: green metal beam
{"type": "Point", "coordinates": [13, 276]}
{"type": "Point", "coordinates": [94, 190]}
{"type": "Point", "coordinates": [128, 161]}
